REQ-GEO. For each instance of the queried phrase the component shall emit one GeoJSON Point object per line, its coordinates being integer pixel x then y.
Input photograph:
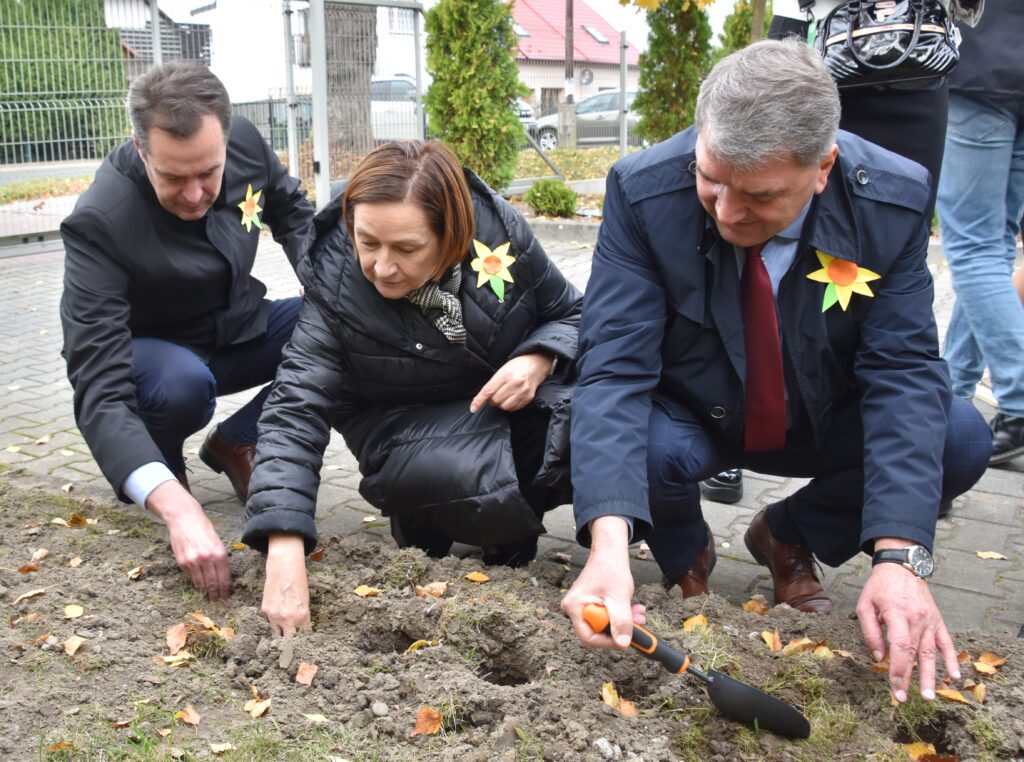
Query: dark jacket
{"type": "Point", "coordinates": [991, 62]}
{"type": "Point", "coordinates": [378, 371]}
{"type": "Point", "coordinates": [663, 319]}
{"type": "Point", "coordinates": [133, 269]}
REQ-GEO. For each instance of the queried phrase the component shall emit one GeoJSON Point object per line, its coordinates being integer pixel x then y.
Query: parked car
{"type": "Point", "coordinates": [394, 113]}
{"type": "Point", "coordinates": [597, 121]}
{"type": "Point", "coordinates": [525, 113]}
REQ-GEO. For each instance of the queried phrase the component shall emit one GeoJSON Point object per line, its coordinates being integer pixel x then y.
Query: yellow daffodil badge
{"type": "Point", "coordinates": [844, 279]}
{"type": "Point", "coordinates": [492, 267]}
{"type": "Point", "coordinates": [251, 209]}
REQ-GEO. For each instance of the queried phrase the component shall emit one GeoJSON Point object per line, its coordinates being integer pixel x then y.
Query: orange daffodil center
{"type": "Point", "coordinates": [492, 267]}
{"type": "Point", "coordinates": [844, 279]}
{"type": "Point", "coordinates": [251, 209]}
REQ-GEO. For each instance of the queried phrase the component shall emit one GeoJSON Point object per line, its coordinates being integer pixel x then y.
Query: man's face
{"type": "Point", "coordinates": [186, 173]}
{"type": "Point", "coordinates": [751, 206]}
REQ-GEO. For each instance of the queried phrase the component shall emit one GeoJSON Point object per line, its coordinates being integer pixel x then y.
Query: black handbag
{"type": "Point", "coordinates": [882, 42]}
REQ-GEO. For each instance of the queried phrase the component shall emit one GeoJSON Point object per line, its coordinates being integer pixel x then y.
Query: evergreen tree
{"type": "Point", "coordinates": [736, 29]}
{"type": "Point", "coordinates": [671, 70]}
{"type": "Point", "coordinates": [471, 50]}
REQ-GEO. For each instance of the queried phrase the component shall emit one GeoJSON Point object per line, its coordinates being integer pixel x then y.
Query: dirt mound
{"type": "Point", "coordinates": [500, 664]}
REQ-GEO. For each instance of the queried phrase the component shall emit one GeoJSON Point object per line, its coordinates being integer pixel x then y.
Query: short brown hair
{"type": "Point", "coordinates": [428, 174]}
{"type": "Point", "coordinates": [174, 97]}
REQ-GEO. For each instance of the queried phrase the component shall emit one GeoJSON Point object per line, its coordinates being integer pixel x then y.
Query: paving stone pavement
{"type": "Point", "coordinates": [39, 439]}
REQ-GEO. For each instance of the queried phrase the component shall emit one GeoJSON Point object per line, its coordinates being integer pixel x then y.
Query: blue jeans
{"type": "Point", "coordinates": [980, 201]}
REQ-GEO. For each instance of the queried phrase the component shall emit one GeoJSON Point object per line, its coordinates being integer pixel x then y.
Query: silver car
{"type": "Point", "coordinates": [597, 121]}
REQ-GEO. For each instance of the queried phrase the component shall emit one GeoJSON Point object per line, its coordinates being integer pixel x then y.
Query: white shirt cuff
{"type": "Point", "coordinates": [144, 480]}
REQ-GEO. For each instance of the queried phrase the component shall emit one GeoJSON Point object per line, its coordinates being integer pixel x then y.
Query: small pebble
{"type": "Point", "coordinates": [379, 709]}
{"type": "Point", "coordinates": [89, 634]}
{"type": "Point", "coordinates": [605, 748]}
{"type": "Point", "coordinates": [287, 654]}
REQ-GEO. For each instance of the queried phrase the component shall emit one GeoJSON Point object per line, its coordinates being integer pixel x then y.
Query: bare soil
{"type": "Point", "coordinates": [502, 666]}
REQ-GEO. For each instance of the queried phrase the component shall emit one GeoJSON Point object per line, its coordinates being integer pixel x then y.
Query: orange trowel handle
{"type": "Point", "coordinates": [644, 641]}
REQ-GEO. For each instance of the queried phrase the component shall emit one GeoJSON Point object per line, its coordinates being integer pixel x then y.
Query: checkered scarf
{"type": "Point", "coordinates": [443, 297]}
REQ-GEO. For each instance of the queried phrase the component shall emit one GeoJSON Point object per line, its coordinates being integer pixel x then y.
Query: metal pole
{"type": "Point", "coordinates": [623, 56]}
{"type": "Point", "coordinates": [421, 123]}
{"type": "Point", "coordinates": [318, 60]}
{"type": "Point", "coordinates": [289, 89]}
{"type": "Point", "coordinates": [570, 77]}
{"type": "Point", "coordinates": [154, 14]}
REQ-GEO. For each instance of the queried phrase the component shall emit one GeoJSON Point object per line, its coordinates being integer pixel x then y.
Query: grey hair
{"type": "Point", "coordinates": [772, 100]}
{"type": "Point", "coordinates": [174, 97]}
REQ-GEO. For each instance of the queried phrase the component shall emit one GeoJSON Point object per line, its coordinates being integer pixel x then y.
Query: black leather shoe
{"type": "Point", "coordinates": [1007, 438]}
{"type": "Point", "coordinates": [726, 487]}
{"type": "Point", "coordinates": [234, 461]}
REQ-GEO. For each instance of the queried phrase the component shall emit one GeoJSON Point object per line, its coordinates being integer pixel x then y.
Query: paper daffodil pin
{"type": "Point", "coordinates": [492, 267]}
{"type": "Point", "coordinates": [251, 209]}
{"type": "Point", "coordinates": [844, 279]}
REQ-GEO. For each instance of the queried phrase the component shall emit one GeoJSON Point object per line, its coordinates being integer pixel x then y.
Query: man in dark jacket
{"type": "Point", "coordinates": [981, 199]}
{"type": "Point", "coordinates": [160, 311]}
{"type": "Point", "coordinates": [820, 361]}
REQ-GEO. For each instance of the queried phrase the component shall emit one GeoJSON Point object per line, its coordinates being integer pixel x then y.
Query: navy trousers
{"type": "Point", "coordinates": [825, 514]}
{"type": "Point", "coordinates": [177, 391]}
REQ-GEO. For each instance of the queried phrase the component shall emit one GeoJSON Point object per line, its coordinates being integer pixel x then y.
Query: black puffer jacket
{"type": "Point", "coordinates": [378, 371]}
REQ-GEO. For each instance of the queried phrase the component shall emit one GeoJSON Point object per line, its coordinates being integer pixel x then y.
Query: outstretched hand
{"type": "Point", "coordinates": [286, 590]}
{"type": "Point", "coordinates": [515, 384]}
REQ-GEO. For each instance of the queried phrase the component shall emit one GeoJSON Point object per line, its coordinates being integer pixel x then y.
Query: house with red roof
{"type": "Point", "coordinates": [540, 27]}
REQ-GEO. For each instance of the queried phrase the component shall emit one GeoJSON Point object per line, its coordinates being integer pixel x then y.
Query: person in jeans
{"type": "Point", "coordinates": [980, 201]}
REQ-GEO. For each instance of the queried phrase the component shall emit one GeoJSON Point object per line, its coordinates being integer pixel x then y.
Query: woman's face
{"type": "Point", "coordinates": [396, 247]}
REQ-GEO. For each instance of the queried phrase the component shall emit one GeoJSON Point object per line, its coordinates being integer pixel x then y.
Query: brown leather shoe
{"type": "Point", "coordinates": [234, 461]}
{"type": "Point", "coordinates": [695, 581]}
{"type": "Point", "coordinates": [792, 568]}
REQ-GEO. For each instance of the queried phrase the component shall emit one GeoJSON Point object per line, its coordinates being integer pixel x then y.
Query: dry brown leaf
{"type": "Point", "coordinates": [841, 652]}
{"type": "Point", "coordinates": [72, 644]}
{"type": "Point", "coordinates": [317, 555]}
{"type": "Point", "coordinates": [227, 633]}
{"type": "Point", "coordinates": [964, 656]}
{"type": "Point", "coordinates": [305, 673]}
{"type": "Point", "coordinates": [76, 561]}
{"type": "Point", "coordinates": [73, 611]}
{"type": "Point", "coordinates": [180, 659]}
{"type": "Point", "coordinates": [420, 644]}
{"type": "Point", "coordinates": [991, 658]}
{"type": "Point", "coordinates": [952, 695]}
{"type": "Point", "coordinates": [44, 439]}
{"type": "Point", "coordinates": [137, 572]}
{"type": "Point", "coordinates": [609, 695]}
{"type": "Point", "coordinates": [822, 651]}
{"type": "Point", "coordinates": [428, 721]}
{"type": "Point", "coordinates": [41, 639]}
{"type": "Point", "coordinates": [627, 708]}
{"type": "Point", "coordinates": [188, 715]}
{"type": "Point", "coordinates": [698, 620]}
{"type": "Point", "coordinates": [29, 594]}
{"type": "Point", "coordinates": [798, 645]}
{"type": "Point", "coordinates": [772, 640]}
{"type": "Point", "coordinates": [881, 666]}
{"type": "Point", "coordinates": [917, 750]}
{"type": "Point", "coordinates": [40, 554]}
{"type": "Point", "coordinates": [478, 577]}
{"type": "Point", "coordinates": [62, 522]}
{"type": "Point", "coordinates": [29, 568]}
{"type": "Point", "coordinates": [435, 589]}
{"type": "Point", "coordinates": [977, 690]}
{"type": "Point", "coordinates": [757, 605]}
{"type": "Point", "coordinates": [76, 520]}
{"type": "Point", "coordinates": [164, 732]}
{"type": "Point", "coordinates": [176, 637]}
{"type": "Point", "coordinates": [119, 724]}
{"type": "Point", "coordinates": [990, 555]}
{"type": "Point", "coordinates": [258, 705]}
{"type": "Point", "coordinates": [204, 620]}
{"type": "Point", "coordinates": [316, 719]}
{"type": "Point", "coordinates": [59, 746]}
{"type": "Point", "coordinates": [365, 591]}
{"type": "Point", "coordinates": [221, 748]}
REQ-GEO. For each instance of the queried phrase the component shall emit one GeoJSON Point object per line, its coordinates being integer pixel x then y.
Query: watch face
{"type": "Point", "coordinates": [920, 561]}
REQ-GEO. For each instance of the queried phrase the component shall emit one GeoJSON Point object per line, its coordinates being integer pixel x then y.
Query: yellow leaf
{"type": "Point", "coordinates": [365, 591]}
{"type": "Point", "coordinates": [188, 715]}
{"type": "Point", "coordinates": [977, 690]}
{"type": "Point", "coordinates": [120, 724]}
{"type": "Point", "coordinates": [44, 439]}
{"type": "Point", "coordinates": [772, 640]}
{"type": "Point", "coordinates": [609, 695]}
{"type": "Point", "coordinates": [29, 594]}
{"type": "Point", "coordinates": [990, 555]}
{"type": "Point", "coordinates": [72, 644]}
{"type": "Point", "coordinates": [238, 546]}
{"type": "Point", "coordinates": [964, 656]}
{"type": "Point", "coordinates": [257, 708]}
{"type": "Point", "coordinates": [796, 646]}
{"type": "Point", "coordinates": [435, 589]}
{"type": "Point", "coordinates": [991, 659]}
{"type": "Point", "coordinates": [176, 637]}
{"type": "Point", "coordinates": [823, 652]}
{"type": "Point", "coordinates": [164, 732]}
{"type": "Point", "coordinates": [180, 659]}
{"type": "Point", "coordinates": [73, 611]}
{"type": "Point", "coordinates": [757, 605]}
{"type": "Point", "coordinates": [315, 718]}
{"type": "Point", "coordinates": [204, 620]}
{"type": "Point", "coordinates": [428, 721]}
{"type": "Point", "coordinates": [694, 622]}
{"type": "Point", "coordinates": [478, 577]}
{"type": "Point", "coordinates": [305, 673]}
{"type": "Point", "coordinates": [918, 750]}
{"type": "Point", "coordinates": [76, 561]}
{"type": "Point", "coordinates": [420, 644]}
{"type": "Point", "coordinates": [627, 708]}
{"type": "Point", "coordinates": [12, 448]}
{"type": "Point", "coordinates": [951, 695]}
{"type": "Point", "coordinates": [59, 746]}
{"type": "Point", "coordinates": [220, 748]}
{"type": "Point", "coordinates": [136, 572]}
{"type": "Point", "coordinates": [986, 669]}
{"type": "Point", "coordinates": [841, 652]}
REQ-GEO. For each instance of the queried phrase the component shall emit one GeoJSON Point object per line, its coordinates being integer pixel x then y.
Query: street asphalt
{"type": "Point", "coordinates": [39, 440]}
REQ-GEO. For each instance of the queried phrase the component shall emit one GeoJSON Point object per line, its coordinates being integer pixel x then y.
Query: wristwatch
{"type": "Point", "coordinates": [915, 557]}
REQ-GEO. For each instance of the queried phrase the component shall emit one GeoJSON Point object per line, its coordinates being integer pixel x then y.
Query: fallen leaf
{"type": "Point", "coordinates": [137, 572]}
{"type": "Point", "coordinates": [952, 695]}
{"type": "Point", "coordinates": [119, 724]}
{"type": "Point", "coordinates": [317, 555]}
{"type": "Point", "coordinates": [180, 659]}
{"type": "Point", "coordinates": [12, 448]}
{"type": "Point", "coordinates": [609, 695]}
{"type": "Point", "coordinates": [59, 746]}
{"type": "Point", "coordinates": [76, 561]}
{"type": "Point", "coordinates": [420, 644]}
{"type": "Point", "coordinates": [478, 577]}
{"type": "Point", "coordinates": [822, 651]}
{"type": "Point", "coordinates": [918, 750]}
{"type": "Point", "coordinates": [176, 637]}
{"type": "Point", "coordinates": [315, 718]}
{"type": "Point", "coordinates": [991, 658]}
{"type": "Point", "coordinates": [29, 594]}
{"type": "Point", "coordinates": [29, 568]}
{"type": "Point", "coordinates": [627, 708]}
{"type": "Point", "coordinates": [772, 640]}
{"type": "Point", "coordinates": [73, 611]}
{"type": "Point", "coordinates": [72, 644]}
{"type": "Point", "coordinates": [257, 705]}
{"type": "Point", "coordinates": [41, 639]}
{"type": "Point", "coordinates": [841, 652]}
{"type": "Point", "coordinates": [62, 522]}
{"type": "Point", "coordinates": [549, 669]}
{"type": "Point", "coordinates": [67, 453]}
{"type": "Point", "coordinates": [44, 439]}
{"type": "Point", "coordinates": [204, 620]}
{"type": "Point", "coordinates": [691, 624]}
{"type": "Point", "coordinates": [227, 633]}
{"type": "Point", "coordinates": [977, 690]}
{"type": "Point", "coordinates": [67, 488]}
{"type": "Point", "coordinates": [435, 589]}
{"type": "Point", "coordinates": [990, 555]}
{"type": "Point", "coordinates": [305, 673]}
{"type": "Point", "coordinates": [428, 721]}
{"type": "Point", "coordinates": [757, 605]}
{"type": "Point", "coordinates": [220, 748]}
{"type": "Point", "coordinates": [75, 519]}
{"type": "Point", "coordinates": [238, 546]}
{"type": "Point", "coordinates": [797, 646]}
{"type": "Point", "coordinates": [188, 715]}
{"type": "Point", "coordinates": [40, 554]}
{"type": "Point", "coordinates": [365, 591]}
{"type": "Point", "coordinates": [164, 732]}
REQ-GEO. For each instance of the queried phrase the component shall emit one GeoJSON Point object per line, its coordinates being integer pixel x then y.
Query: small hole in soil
{"type": "Point", "coordinates": [385, 642]}
{"type": "Point", "coordinates": [507, 669]}
{"type": "Point", "coordinates": [933, 734]}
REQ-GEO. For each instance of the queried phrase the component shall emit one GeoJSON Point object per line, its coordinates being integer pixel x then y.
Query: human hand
{"type": "Point", "coordinates": [896, 598]}
{"type": "Point", "coordinates": [286, 590]}
{"type": "Point", "coordinates": [195, 543]}
{"type": "Point", "coordinates": [606, 579]}
{"type": "Point", "coordinates": [515, 384]}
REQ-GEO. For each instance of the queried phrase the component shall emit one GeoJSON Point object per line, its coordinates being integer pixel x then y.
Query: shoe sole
{"type": "Point", "coordinates": [215, 465]}
{"type": "Point", "coordinates": [724, 495]}
{"type": "Point", "coordinates": [1002, 457]}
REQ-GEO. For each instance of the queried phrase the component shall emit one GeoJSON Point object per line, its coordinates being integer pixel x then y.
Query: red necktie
{"type": "Point", "coordinates": [765, 415]}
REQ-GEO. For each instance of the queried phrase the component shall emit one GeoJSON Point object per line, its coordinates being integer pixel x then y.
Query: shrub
{"type": "Point", "coordinates": [552, 198]}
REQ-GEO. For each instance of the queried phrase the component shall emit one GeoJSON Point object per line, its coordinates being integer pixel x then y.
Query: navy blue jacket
{"type": "Point", "coordinates": [661, 318]}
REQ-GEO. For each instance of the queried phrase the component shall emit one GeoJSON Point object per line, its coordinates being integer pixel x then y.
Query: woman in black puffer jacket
{"type": "Point", "coordinates": [442, 346]}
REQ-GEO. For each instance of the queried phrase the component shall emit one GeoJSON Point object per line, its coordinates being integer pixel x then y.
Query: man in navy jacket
{"type": "Point", "coordinates": [669, 392]}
